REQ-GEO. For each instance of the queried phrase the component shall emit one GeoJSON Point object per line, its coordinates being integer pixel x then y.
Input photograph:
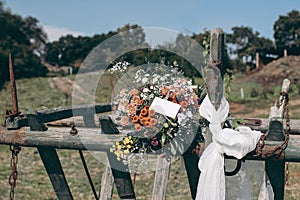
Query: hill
{"type": "Point", "coordinates": [262, 87]}
{"type": "Point", "coordinates": [274, 72]}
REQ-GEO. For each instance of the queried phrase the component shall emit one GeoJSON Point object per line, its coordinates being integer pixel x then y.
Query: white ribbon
{"type": "Point", "coordinates": [211, 185]}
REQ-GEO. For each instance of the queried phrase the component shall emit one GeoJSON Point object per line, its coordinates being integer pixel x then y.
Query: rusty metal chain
{"type": "Point", "coordinates": [287, 173]}
{"type": "Point", "coordinates": [12, 180]}
{"type": "Point", "coordinates": [288, 129]}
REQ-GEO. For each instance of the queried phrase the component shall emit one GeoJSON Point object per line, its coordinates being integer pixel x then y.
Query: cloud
{"type": "Point", "coordinates": [54, 33]}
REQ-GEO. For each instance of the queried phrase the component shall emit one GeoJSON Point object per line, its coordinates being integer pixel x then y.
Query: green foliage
{"type": "Point", "coordinates": [70, 50]}
{"type": "Point", "coordinates": [23, 38]}
{"type": "Point", "coordinates": [243, 43]}
{"type": "Point", "coordinates": [287, 29]}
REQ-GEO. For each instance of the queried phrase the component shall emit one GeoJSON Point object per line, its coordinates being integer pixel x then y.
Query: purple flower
{"type": "Point", "coordinates": [154, 142]}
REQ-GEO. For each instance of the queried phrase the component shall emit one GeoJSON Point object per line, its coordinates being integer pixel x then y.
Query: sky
{"type": "Point", "coordinates": [61, 17]}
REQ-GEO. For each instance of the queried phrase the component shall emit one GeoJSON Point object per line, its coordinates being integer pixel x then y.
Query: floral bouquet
{"type": "Point", "coordinates": [152, 131]}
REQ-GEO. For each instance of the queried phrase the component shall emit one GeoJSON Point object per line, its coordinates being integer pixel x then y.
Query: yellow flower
{"type": "Point", "coordinates": [126, 140]}
{"type": "Point", "coordinates": [111, 150]}
{"type": "Point", "coordinates": [119, 147]}
{"type": "Point", "coordinates": [117, 143]}
{"type": "Point", "coordinates": [128, 146]}
{"type": "Point", "coordinates": [126, 151]}
{"type": "Point", "coordinates": [117, 152]}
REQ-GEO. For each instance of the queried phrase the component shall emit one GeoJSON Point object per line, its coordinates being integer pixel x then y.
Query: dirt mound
{"type": "Point", "coordinates": [273, 73]}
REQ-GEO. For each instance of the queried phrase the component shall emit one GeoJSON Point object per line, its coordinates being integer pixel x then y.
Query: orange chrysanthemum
{"type": "Point", "coordinates": [135, 118]}
{"type": "Point", "coordinates": [147, 119]}
{"type": "Point", "coordinates": [143, 120]}
{"type": "Point", "coordinates": [144, 112]}
{"type": "Point", "coordinates": [151, 112]}
{"type": "Point", "coordinates": [147, 123]}
{"type": "Point", "coordinates": [138, 127]}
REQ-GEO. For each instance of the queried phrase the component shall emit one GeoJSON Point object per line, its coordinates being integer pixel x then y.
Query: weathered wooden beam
{"type": "Point", "coordinates": [214, 72]}
{"type": "Point", "coordinates": [263, 127]}
{"type": "Point", "coordinates": [190, 161]}
{"type": "Point", "coordinates": [275, 169]}
{"type": "Point", "coordinates": [44, 116]}
{"type": "Point", "coordinates": [161, 179]}
{"type": "Point", "coordinates": [122, 177]}
{"type": "Point", "coordinates": [81, 110]}
{"type": "Point", "coordinates": [92, 139]}
{"type": "Point", "coordinates": [276, 173]}
{"type": "Point", "coordinates": [55, 172]}
{"type": "Point", "coordinates": [107, 184]}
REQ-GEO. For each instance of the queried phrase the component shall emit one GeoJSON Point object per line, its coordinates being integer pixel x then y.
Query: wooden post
{"type": "Point", "coordinates": [285, 53]}
{"type": "Point", "coordinates": [107, 184]}
{"type": "Point", "coordinates": [215, 71]}
{"type": "Point", "coordinates": [275, 169]}
{"type": "Point", "coordinates": [193, 172]}
{"type": "Point", "coordinates": [122, 177]}
{"type": "Point", "coordinates": [55, 172]}
{"type": "Point", "coordinates": [161, 179]}
{"type": "Point", "coordinates": [242, 94]}
{"type": "Point", "coordinates": [257, 60]}
{"type": "Point", "coordinates": [214, 82]}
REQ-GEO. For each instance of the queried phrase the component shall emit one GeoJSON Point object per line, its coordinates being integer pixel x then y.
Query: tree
{"type": "Point", "coordinates": [70, 50]}
{"type": "Point", "coordinates": [242, 44]}
{"type": "Point", "coordinates": [24, 39]}
{"type": "Point", "coordinates": [287, 29]}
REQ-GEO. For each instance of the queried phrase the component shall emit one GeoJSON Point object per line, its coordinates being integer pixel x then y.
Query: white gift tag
{"type": "Point", "coordinates": [165, 107]}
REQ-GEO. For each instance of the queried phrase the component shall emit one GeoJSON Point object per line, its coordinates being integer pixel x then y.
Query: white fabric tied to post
{"type": "Point", "coordinates": [237, 143]}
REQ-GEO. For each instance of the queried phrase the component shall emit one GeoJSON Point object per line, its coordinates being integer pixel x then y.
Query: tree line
{"type": "Point", "coordinates": [28, 44]}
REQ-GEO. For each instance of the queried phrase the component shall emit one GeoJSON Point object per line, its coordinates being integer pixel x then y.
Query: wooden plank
{"type": "Point", "coordinates": [193, 173]}
{"type": "Point", "coordinates": [81, 110]}
{"type": "Point", "coordinates": [93, 140]}
{"type": "Point", "coordinates": [161, 179]}
{"type": "Point", "coordinates": [214, 72]}
{"type": "Point", "coordinates": [275, 169]}
{"type": "Point", "coordinates": [276, 173]}
{"type": "Point", "coordinates": [107, 184]}
{"type": "Point", "coordinates": [263, 127]}
{"type": "Point", "coordinates": [295, 126]}
{"type": "Point", "coordinates": [55, 172]}
{"type": "Point", "coordinates": [122, 177]}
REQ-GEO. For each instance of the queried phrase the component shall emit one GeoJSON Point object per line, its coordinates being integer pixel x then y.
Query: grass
{"type": "Point", "coordinates": [45, 93]}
